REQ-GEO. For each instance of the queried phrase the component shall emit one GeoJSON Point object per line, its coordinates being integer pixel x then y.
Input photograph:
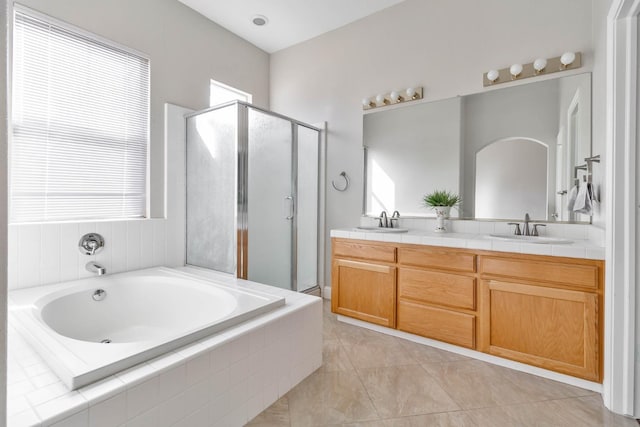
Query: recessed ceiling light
{"type": "Point", "coordinates": [260, 20]}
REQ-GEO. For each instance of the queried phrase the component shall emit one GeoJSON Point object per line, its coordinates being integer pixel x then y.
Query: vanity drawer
{"type": "Point", "coordinates": [438, 258]}
{"type": "Point", "coordinates": [560, 273]}
{"type": "Point", "coordinates": [364, 251]}
{"type": "Point", "coordinates": [437, 288]}
{"type": "Point", "coordinates": [444, 325]}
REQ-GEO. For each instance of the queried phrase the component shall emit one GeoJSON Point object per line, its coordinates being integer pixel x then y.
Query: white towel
{"type": "Point", "coordinates": [584, 200]}
{"type": "Point", "coordinates": [573, 193]}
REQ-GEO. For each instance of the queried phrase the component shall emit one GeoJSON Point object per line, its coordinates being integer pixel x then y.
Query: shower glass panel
{"type": "Point", "coordinates": [307, 208]}
{"type": "Point", "coordinates": [212, 172]}
{"type": "Point", "coordinates": [270, 201]}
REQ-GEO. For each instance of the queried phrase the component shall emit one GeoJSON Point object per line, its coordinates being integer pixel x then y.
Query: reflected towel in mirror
{"type": "Point", "coordinates": [584, 200]}
{"type": "Point", "coordinates": [573, 193]}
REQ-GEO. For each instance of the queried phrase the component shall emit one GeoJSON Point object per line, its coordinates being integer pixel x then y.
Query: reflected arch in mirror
{"type": "Point", "coordinates": [511, 179]}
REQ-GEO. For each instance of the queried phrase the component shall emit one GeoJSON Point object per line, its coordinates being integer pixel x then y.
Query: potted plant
{"type": "Point", "coordinates": [441, 201]}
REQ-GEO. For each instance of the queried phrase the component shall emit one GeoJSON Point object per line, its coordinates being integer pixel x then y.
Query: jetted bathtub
{"type": "Point", "coordinates": [92, 328]}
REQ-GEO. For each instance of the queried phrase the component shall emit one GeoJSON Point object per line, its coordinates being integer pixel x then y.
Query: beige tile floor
{"type": "Point", "coordinates": [370, 379]}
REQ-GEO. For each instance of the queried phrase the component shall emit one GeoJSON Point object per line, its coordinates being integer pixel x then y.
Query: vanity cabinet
{"type": "Point", "coordinates": [544, 313]}
{"type": "Point", "coordinates": [364, 282]}
{"type": "Point", "coordinates": [540, 310]}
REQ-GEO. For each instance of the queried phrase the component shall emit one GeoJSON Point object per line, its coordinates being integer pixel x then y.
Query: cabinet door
{"type": "Point", "coordinates": [365, 291]}
{"type": "Point", "coordinates": [551, 328]}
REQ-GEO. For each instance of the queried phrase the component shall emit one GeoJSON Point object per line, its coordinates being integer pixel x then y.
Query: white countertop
{"type": "Point", "coordinates": [578, 248]}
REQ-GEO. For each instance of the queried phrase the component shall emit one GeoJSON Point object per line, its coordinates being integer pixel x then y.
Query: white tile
{"type": "Point", "coordinates": [166, 361]}
{"type": "Point", "coordinates": [505, 246]}
{"type": "Point", "coordinates": [20, 388]}
{"type": "Point", "coordinates": [486, 227]}
{"type": "Point", "coordinates": [431, 241]}
{"type": "Point", "coordinates": [102, 390]}
{"type": "Point", "coordinates": [218, 408]}
{"type": "Point", "coordinates": [147, 419]}
{"type": "Point", "coordinates": [16, 405]}
{"type": "Point", "coordinates": [239, 348]}
{"type": "Point", "coordinates": [454, 242]}
{"type": "Point", "coordinates": [137, 374]}
{"type": "Point", "coordinates": [172, 411]}
{"type": "Point", "coordinates": [479, 244]}
{"type": "Point", "coordinates": [50, 254]}
{"type": "Point", "coordinates": [219, 382]}
{"type": "Point", "coordinates": [199, 418]}
{"type": "Point", "coordinates": [146, 243]}
{"type": "Point", "coordinates": [103, 257]}
{"type": "Point", "coordinates": [535, 249]}
{"type": "Point", "coordinates": [197, 396]}
{"type": "Point", "coordinates": [84, 228]}
{"type": "Point", "coordinates": [44, 379]}
{"type": "Point", "coordinates": [172, 382]}
{"type": "Point", "coordinates": [26, 418]}
{"type": "Point", "coordinates": [412, 239]}
{"type": "Point", "coordinates": [62, 407]}
{"type": "Point", "coordinates": [48, 393]}
{"type": "Point", "coordinates": [576, 231]}
{"type": "Point", "coordinates": [29, 256]}
{"type": "Point", "coordinates": [340, 233]}
{"type": "Point", "coordinates": [159, 242]}
{"type": "Point", "coordinates": [110, 412]}
{"type": "Point", "coordinates": [237, 416]}
{"type": "Point", "coordinates": [142, 397]}
{"type": "Point", "coordinates": [80, 419]}
{"type": "Point", "coordinates": [256, 340]}
{"type": "Point", "coordinates": [198, 368]}
{"type": "Point", "coordinates": [255, 406]}
{"type": "Point", "coordinates": [118, 246]}
{"type": "Point", "coordinates": [134, 238]}
{"type": "Point", "coordinates": [69, 254]}
{"type": "Point", "coordinates": [503, 228]}
{"type": "Point", "coordinates": [239, 369]}
{"type": "Point", "coordinates": [12, 257]}
{"type": "Point", "coordinates": [569, 251]}
{"type": "Point", "coordinates": [595, 253]}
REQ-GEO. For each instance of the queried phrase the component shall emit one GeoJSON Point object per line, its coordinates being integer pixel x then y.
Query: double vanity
{"type": "Point", "coordinates": [539, 303]}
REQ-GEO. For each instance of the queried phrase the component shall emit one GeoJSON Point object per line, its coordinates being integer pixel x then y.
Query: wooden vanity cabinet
{"type": "Point", "coordinates": [540, 310]}
{"type": "Point", "coordinates": [364, 282]}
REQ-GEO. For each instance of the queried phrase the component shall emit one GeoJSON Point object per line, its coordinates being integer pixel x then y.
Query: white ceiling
{"type": "Point", "coordinates": [290, 21]}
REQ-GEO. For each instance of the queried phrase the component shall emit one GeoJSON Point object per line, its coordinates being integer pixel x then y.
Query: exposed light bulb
{"type": "Point", "coordinates": [411, 93]}
{"type": "Point", "coordinates": [515, 70]}
{"type": "Point", "coordinates": [567, 59]}
{"type": "Point", "coordinates": [380, 99]}
{"type": "Point", "coordinates": [366, 102]}
{"type": "Point", "coordinates": [395, 96]}
{"type": "Point", "coordinates": [539, 65]}
{"type": "Point", "coordinates": [493, 75]}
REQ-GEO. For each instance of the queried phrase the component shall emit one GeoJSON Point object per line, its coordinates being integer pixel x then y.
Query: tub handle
{"type": "Point", "coordinates": [289, 199]}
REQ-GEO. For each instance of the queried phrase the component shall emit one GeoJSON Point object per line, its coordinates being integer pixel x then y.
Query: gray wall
{"type": "Point", "coordinates": [442, 45]}
{"type": "Point", "coordinates": [3, 205]}
{"type": "Point", "coordinates": [186, 51]}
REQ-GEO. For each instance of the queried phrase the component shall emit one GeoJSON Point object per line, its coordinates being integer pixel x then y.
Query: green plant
{"type": "Point", "coordinates": [441, 198]}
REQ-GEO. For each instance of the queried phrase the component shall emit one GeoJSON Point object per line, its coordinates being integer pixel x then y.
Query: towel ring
{"type": "Point", "coordinates": [343, 174]}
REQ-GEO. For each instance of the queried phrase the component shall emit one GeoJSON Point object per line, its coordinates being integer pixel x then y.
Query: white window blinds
{"type": "Point", "coordinates": [80, 125]}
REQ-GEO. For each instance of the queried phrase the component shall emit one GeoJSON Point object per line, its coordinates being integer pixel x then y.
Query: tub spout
{"type": "Point", "coordinates": [94, 267]}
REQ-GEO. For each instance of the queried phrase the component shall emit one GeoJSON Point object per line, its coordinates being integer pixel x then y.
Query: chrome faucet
{"type": "Point", "coordinates": [395, 217]}
{"type": "Point", "coordinates": [525, 229]}
{"type": "Point", "coordinates": [94, 267]}
{"type": "Point", "coordinates": [383, 215]}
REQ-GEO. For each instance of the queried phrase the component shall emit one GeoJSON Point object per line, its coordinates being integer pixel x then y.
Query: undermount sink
{"type": "Point", "coordinates": [530, 239]}
{"type": "Point", "coordinates": [381, 230]}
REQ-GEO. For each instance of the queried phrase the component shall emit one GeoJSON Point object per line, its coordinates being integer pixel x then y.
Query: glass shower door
{"type": "Point", "coordinates": [270, 200]}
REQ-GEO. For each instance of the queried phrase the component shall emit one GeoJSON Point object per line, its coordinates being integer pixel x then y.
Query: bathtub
{"type": "Point", "coordinates": [89, 329]}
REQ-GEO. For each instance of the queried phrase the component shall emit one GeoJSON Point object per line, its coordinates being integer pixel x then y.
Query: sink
{"type": "Point", "coordinates": [381, 230]}
{"type": "Point", "coordinates": [530, 239]}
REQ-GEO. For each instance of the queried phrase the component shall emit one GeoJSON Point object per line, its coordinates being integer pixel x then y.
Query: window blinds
{"type": "Point", "coordinates": [80, 125]}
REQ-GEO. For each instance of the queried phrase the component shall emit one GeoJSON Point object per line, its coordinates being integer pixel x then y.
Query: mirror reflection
{"type": "Point", "coordinates": [507, 152]}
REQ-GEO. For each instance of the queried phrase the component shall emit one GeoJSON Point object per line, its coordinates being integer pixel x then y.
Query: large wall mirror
{"type": "Point", "coordinates": [507, 152]}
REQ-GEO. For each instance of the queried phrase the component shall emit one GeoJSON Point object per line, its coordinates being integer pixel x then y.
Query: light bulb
{"type": "Point", "coordinates": [493, 75]}
{"type": "Point", "coordinates": [395, 97]}
{"type": "Point", "coordinates": [411, 93]}
{"type": "Point", "coordinates": [515, 70]}
{"type": "Point", "coordinates": [366, 102]}
{"type": "Point", "coordinates": [567, 59]}
{"type": "Point", "coordinates": [380, 99]}
{"type": "Point", "coordinates": [539, 65]}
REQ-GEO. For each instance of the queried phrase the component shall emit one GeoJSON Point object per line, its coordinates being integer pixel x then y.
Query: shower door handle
{"type": "Point", "coordinates": [289, 199]}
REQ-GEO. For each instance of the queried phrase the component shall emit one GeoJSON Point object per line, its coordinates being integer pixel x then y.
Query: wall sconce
{"type": "Point", "coordinates": [393, 97]}
{"type": "Point", "coordinates": [568, 61]}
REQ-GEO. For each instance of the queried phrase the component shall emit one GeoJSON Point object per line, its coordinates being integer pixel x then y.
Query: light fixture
{"type": "Point", "coordinates": [260, 20]}
{"type": "Point", "coordinates": [539, 65]}
{"type": "Point", "coordinates": [515, 70]}
{"type": "Point", "coordinates": [567, 59]}
{"type": "Point", "coordinates": [393, 97]}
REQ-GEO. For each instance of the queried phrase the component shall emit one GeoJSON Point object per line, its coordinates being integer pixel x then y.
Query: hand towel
{"type": "Point", "coordinates": [584, 201]}
{"type": "Point", "coordinates": [573, 193]}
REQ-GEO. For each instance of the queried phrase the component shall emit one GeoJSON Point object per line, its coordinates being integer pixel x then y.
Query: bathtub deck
{"type": "Point", "coordinates": [229, 377]}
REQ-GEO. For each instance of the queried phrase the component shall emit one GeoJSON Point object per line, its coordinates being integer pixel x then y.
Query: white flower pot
{"type": "Point", "coordinates": [442, 213]}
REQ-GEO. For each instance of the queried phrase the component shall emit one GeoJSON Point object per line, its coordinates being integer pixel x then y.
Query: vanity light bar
{"type": "Point", "coordinates": [539, 67]}
{"type": "Point", "coordinates": [391, 98]}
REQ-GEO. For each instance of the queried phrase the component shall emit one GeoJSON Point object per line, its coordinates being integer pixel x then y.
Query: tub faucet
{"type": "Point", "coordinates": [94, 267]}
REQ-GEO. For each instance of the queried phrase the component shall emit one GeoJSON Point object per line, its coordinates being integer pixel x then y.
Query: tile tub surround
{"type": "Point", "coordinates": [375, 380]}
{"type": "Point", "coordinates": [224, 379]}
{"type": "Point", "coordinates": [473, 235]}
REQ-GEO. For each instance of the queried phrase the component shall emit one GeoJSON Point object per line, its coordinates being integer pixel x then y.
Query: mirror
{"type": "Point", "coordinates": [506, 152]}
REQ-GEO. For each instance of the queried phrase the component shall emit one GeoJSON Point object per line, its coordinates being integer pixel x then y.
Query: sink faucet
{"type": "Point", "coordinates": [383, 215]}
{"type": "Point", "coordinates": [525, 229]}
{"type": "Point", "coordinates": [94, 267]}
{"type": "Point", "coordinates": [395, 217]}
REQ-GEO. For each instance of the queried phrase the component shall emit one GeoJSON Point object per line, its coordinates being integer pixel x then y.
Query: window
{"type": "Point", "coordinates": [80, 124]}
{"type": "Point", "coordinates": [219, 93]}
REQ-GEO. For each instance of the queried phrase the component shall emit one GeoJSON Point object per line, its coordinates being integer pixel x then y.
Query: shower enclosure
{"type": "Point", "coordinates": [252, 195]}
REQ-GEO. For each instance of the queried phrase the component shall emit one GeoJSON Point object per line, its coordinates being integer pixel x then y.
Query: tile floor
{"type": "Point", "coordinates": [370, 379]}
